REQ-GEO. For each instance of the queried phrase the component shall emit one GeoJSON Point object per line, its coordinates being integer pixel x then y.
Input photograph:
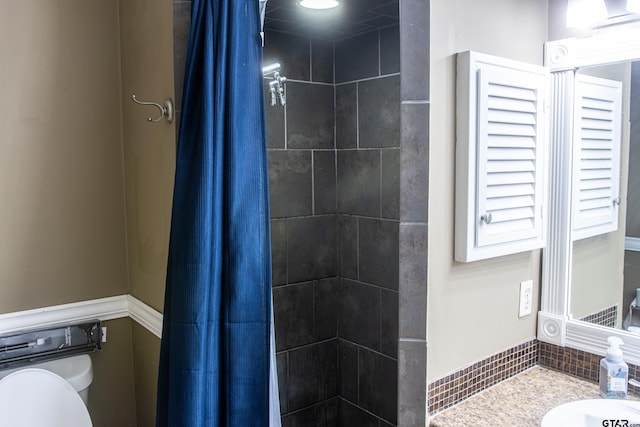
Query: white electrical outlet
{"type": "Point", "coordinates": [526, 298]}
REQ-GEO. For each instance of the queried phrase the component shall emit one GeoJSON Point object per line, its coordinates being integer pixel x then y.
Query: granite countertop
{"type": "Point", "coordinates": [519, 401]}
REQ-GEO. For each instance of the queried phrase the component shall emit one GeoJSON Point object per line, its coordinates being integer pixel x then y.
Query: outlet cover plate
{"type": "Point", "coordinates": [526, 298]}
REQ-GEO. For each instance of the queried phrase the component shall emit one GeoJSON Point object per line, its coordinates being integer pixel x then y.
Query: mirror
{"type": "Point", "coordinates": [597, 262]}
{"type": "Point", "coordinates": [584, 278]}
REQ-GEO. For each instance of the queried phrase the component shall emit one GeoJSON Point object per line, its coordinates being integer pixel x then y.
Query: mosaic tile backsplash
{"type": "Point", "coordinates": [452, 389]}
{"type": "Point", "coordinates": [607, 317]}
{"type": "Point", "coordinates": [458, 386]}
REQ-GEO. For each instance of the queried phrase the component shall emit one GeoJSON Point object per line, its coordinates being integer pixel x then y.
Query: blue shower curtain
{"type": "Point", "coordinates": [214, 356]}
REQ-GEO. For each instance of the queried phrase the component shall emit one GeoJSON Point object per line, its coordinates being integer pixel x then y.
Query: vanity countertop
{"type": "Point", "coordinates": [519, 401]}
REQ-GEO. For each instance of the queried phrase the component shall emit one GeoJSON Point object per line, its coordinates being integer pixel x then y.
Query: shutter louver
{"type": "Point", "coordinates": [596, 156]}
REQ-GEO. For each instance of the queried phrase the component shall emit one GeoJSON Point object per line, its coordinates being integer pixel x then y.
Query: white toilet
{"type": "Point", "coordinates": [48, 394]}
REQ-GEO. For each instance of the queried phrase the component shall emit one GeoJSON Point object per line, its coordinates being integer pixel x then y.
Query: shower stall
{"type": "Point", "coordinates": [334, 166]}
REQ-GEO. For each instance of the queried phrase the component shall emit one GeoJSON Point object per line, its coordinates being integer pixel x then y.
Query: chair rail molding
{"type": "Point", "coordinates": [108, 308]}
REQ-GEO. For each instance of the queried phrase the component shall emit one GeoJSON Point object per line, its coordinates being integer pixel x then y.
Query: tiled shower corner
{"type": "Point", "coordinates": [334, 182]}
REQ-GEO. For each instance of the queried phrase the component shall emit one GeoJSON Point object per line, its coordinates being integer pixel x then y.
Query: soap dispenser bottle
{"type": "Point", "coordinates": [614, 372]}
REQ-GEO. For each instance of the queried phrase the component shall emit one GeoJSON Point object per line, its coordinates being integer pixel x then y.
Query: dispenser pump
{"type": "Point", "coordinates": [613, 352]}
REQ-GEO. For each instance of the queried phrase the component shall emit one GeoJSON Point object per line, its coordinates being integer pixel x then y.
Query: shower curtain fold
{"type": "Point", "coordinates": [215, 350]}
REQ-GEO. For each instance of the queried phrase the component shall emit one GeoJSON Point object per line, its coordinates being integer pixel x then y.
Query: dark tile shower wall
{"type": "Point", "coordinates": [368, 185]}
{"type": "Point", "coordinates": [334, 165]}
{"type": "Point", "coordinates": [302, 181]}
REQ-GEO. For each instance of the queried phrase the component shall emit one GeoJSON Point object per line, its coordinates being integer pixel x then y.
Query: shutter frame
{"type": "Point", "coordinates": [501, 128]}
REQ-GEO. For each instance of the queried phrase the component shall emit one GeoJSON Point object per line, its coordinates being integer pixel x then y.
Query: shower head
{"type": "Point", "coordinates": [276, 86]}
{"type": "Point", "coordinates": [270, 69]}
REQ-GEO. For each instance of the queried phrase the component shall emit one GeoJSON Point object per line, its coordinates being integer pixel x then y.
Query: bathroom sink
{"type": "Point", "coordinates": [594, 412]}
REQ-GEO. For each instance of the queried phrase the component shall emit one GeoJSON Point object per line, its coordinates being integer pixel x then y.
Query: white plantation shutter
{"type": "Point", "coordinates": [510, 113]}
{"type": "Point", "coordinates": [596, 156]}
{"type": "Point", "coordinates": [501, 157]}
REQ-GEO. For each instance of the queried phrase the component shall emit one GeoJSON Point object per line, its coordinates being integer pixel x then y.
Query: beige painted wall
{"type": "Point", "coordinates": [473, 308]}
{"type": "Point", "coordinates": [112, 400]}
{"type": "Point", "coordinates": [61, 175]}
{"type": "Point", "coordinates": [146, 358]}
{"type": "Point", "coordinates": [146, 31]}
{"type": "Point", "coordinates": [69, 137]}
{"type": "Point", "coordinates": [149, 148]}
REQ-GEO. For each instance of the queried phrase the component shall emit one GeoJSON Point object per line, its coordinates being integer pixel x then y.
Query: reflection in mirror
{"type": "Point", "coordinates": [606, 268]}
{"type": "Point", "coordinates": [632, 235]}
{"type": "Point", "coordinates": [602, 287]}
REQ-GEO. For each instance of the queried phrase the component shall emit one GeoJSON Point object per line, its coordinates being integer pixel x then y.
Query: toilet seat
{"type": "Point", "coordinates": [36, 397]}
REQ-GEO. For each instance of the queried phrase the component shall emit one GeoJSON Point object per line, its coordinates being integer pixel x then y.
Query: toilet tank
{"type": "Point", "coordinates": [76, 370]}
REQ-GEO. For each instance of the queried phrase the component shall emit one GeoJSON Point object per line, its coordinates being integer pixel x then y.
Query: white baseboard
{"type": "Point", "coordinates": [101, 309]}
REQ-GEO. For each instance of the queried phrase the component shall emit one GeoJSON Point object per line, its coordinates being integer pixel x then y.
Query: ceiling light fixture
{"type": "Point", "coordinates": [633, 6]}
{"type": "Point", "coordinates": [319, 4]}
{"type": "Point", "coordinates": [585, 13]}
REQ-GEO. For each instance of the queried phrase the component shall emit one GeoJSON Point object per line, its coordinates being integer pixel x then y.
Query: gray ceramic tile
{"type": "Point", "coordinates": [181, 26]}
{"type": "Point", "coordinates": [390, 184]}
{"type": "Point", "coordinates": [389, 323]}
{"type": "Point", "coordinates": [348, 246]}
{"type": "Point", "coordinates": [312, 374]}
{"type": "Point", "coordinates": [289, 183]}
{"type": "Point", "coordinates": [357, 57]}
{"type": "Point", "coordinates": [324, 182]}
{"type": "Point", "coordinates": [378, 255]}
{"type": "Point", "coordinates": [281, 363]}
{"type": "Point", "coordinates": [311, 248]}
{"type": "Point", "coordinates": [303, 418]}
{"type": "Point", "coordinates": [413, 281]}
{"type": "Point", "coordinates": [359, 182]}
{"type": "Point", "coordinates": [309, 115]}
{"type": "Point", "coordinates": [379, 112]}
{"type": "Point", "coordinates": [292, 52]}
{"type": "Point", "coordinates": [278, 252]}
{"type": "Point", "coordinates": [359, 313]}
{"type": "Point", "coordinates": [352, 416]}
{"type": "Point", "coordinates": [327, 413]}
{"type": "Point", "coordinates": [274, 115]}
{"type": "Point", "coordinates": [414, 163]}
{"type": "Point", "coordinates": [378, 384]}
{"type": "Point", "coordinates": [292, 317]}
{"type": "Point", "coordinates": [346, 116]}
{"type": "Point", "coordinates": [323, 414]}
{"type": "Point", "coordinates": [348, 370]}
{"type": "Point", "coordinates": [414, 39]}
{"type": "Point", "coordinates": [325, 310]}
{"type": "Point", "coordinates": [412, 387]}
{"type": "Point", "coordinates": [390, 50]}
{"type": "Point", "coordinates": [321, 61]}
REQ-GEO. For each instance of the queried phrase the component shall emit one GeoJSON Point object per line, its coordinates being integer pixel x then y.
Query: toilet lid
{"type": "Point", "coordinates": [36, 397]}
